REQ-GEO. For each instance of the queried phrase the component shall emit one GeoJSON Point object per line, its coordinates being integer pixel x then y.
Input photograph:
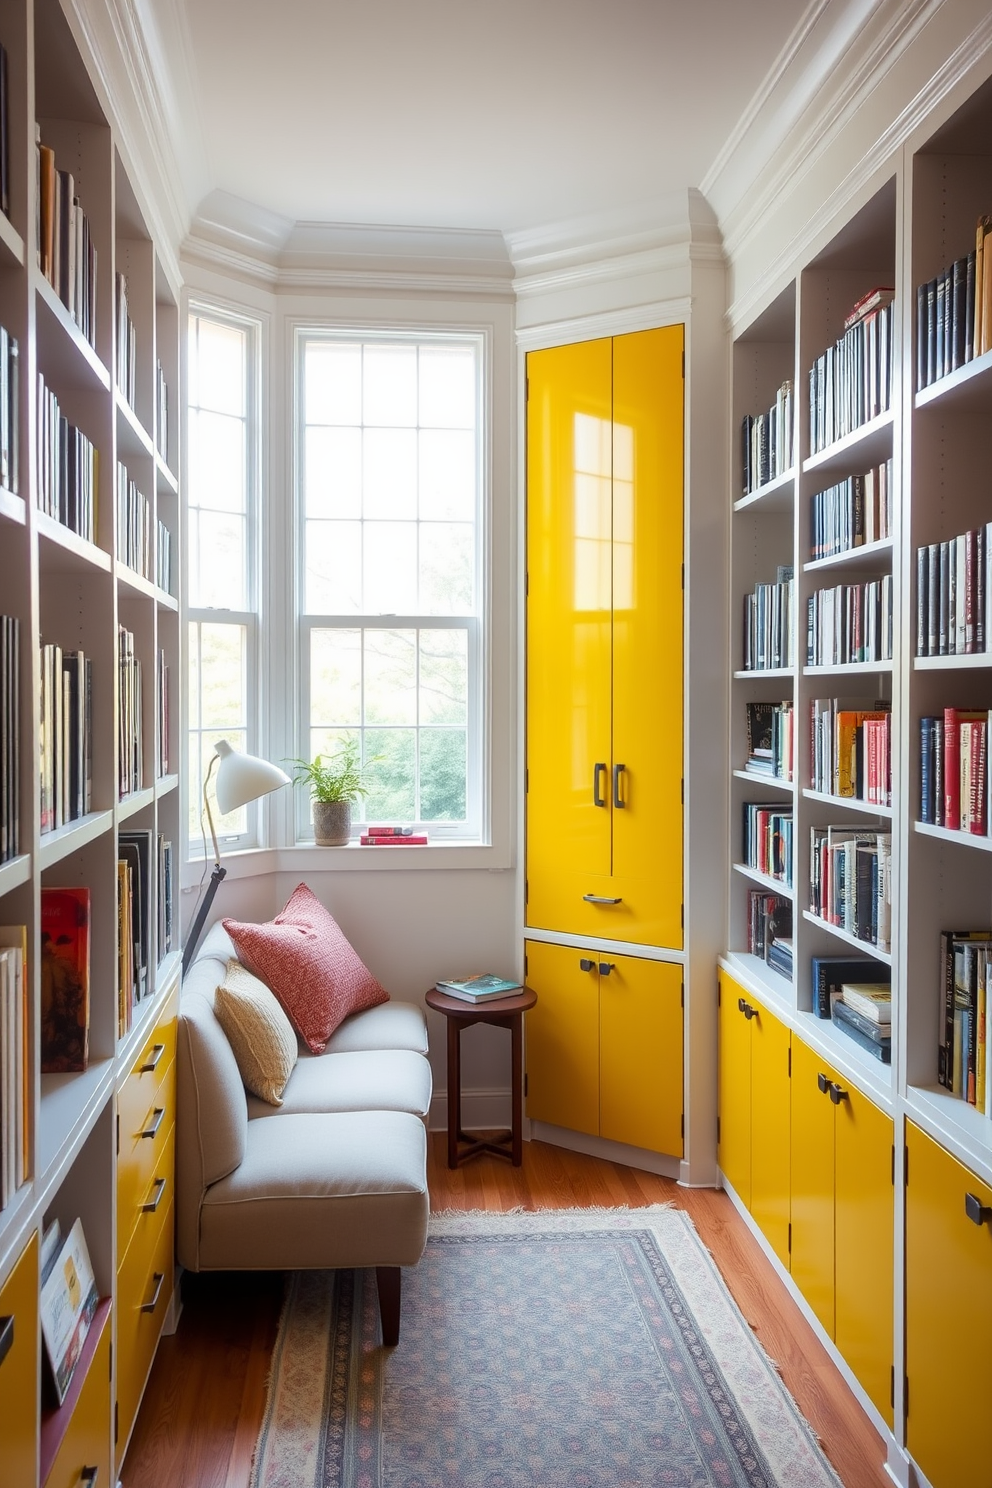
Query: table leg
{"type": "Point", "coordinates": [516, 1087]}
{"type": "Point", "coordinates": [454, 1090]}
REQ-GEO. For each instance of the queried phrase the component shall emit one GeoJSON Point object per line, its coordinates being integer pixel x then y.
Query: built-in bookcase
{"type": "Point", "coordinates": [69, 591]}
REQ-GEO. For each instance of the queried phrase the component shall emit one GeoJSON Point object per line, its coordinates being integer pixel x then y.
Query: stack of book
{"type": "Point", "coordinates": [770, 739]}
{"type": "Point", "coordinates": [954, 312]}
{"type": "Point", "coordinates": [125, 346]}
{"type": "Point", "coordinates": [954, 770]}
{"type": "Point", "coordinates": [163, 558]}
{"type": "Point", "coordinates": [851, 382]}
{"type": "Point", "coordinates": [850, 881]}
{"type": "Point", "coordinates": [769, 922]}
{"type": "Point", "coordinates": [65, 980]}
{"type": "Point", "coordinates": [161, 412]}
{"type": "Point", "coordinates": [66, 728]}
{"type": "Point", "coordinates": [482, 986]}
{"type": "Point", "coordinates": [769, 626]}
{"type": "Point", "coordinates": [9, 401]}
{"type": "Point", "coordinates": [10, 734]}
{"type": "Point", "coordinates": [850, 749]}
{"type": "Point", "coordinates": [856, 511]}
{"type": "Point", "coordinates": [134, 525]}
{"type": "Point", "coordinates": [829, 973]}
{"type": "Point", "coordinates": [162, 710]}
{"type": "Point", "coordinates": [953, 582]}
{"type": "Point", "coordinates": [850, 623]}
{"type": "Point", "coordinates": [963, 1065]}
{"type": "Point", "coordinates": [863, 1011]}
{"type": "Point", "coordinates": [15, 1024]}
{"type": "Point", "coordinates": [768, 839]}
{"type": "Point", "coordinates": [779, 956]}
{"type": "Point", "coordinates": [766, 442]}
{"type": "Point", "coordinates": [66, 252]}
{"type": "Point", "coordinates": [392, 837]}
{"type": "Point", "coordinates": [68, 468]}
{"type": "Point", "coordinates": [129, 738]}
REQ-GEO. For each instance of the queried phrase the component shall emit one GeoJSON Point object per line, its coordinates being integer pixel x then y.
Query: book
{"type": "Point", "coordinates": [882, 294]}
{"type": "Point", "coordinates": [872, 1001]}
{"type": "Point", "coordinates": [65, 979]}
{"type": "Point", "coordinates": [868, 1026]}
{"type": "Point", "coordinates": [480, 987]}
{"type": "Point", "coordinates": [879, 1048]}
{"type": "Point", "coordinates": [829, 973]}
{"type": "Point", "coordinates": [388, 831]}
{"type": "Point", "coordinates": [415, 839]}
{"type": "Point", "coordinates": [68, 1305]}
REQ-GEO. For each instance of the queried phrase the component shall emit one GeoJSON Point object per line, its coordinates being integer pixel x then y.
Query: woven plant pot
{"type": "Point", "coordinates": [332, 823]}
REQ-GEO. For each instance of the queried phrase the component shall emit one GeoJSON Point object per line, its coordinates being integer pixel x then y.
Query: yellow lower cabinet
{"type": "Point", "coordinates": [144, 1286]}
{"type": "Point", "coordinates": [604, 1045]}
{"type": "Point", "coordinates": [84, 1454]}
{"type": "Point", "coordinates": [19, 1372]}
{"type": "Point", "coordinates": [948, 1316]}
{"type": "Point", "coordinates": [754, 1110]}
{"type": "Point", "coordinates": [812, 1254]}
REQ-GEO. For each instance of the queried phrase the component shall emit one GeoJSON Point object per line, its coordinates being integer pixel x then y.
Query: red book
{"type": "Point", "coordinates": [953, 719]}
{"type": "Point", "coordinates": [416, 840]}
{"type": "Point", "coordinates": [65, 980]}
{"type": "Point", "coordinates": [388, 831]}
{"type": "Point", "coordinates": [978, 730]}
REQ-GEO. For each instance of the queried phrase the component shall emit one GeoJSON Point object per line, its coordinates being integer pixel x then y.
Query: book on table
{"type": "Point", "coordinates": [480, 987]}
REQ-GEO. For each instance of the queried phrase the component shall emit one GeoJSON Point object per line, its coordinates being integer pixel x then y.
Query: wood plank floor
{"type": "Point", "coordinates": [203, 1406]}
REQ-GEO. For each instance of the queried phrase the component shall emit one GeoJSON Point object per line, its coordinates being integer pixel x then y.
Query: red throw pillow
{"type": "Point", "coordinates": [304, 957]}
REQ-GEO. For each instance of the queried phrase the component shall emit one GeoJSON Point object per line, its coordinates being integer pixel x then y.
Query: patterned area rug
{"type": "Point", "coordinates": [568, 1349]}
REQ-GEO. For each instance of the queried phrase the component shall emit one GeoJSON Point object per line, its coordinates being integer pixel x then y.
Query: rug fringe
{"type": "Point", "coordinates": [576, 1212]}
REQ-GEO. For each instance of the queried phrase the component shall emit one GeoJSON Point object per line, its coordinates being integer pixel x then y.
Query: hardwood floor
{"type": "Point", "coordinates": [203, 1407]}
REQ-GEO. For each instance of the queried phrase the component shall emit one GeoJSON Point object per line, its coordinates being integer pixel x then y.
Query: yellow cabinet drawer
{"type": "Point", "coordinates": [154, 1198]}
{"type": "Point", "coordinates": [85, 1447]}
{"type": "Point", "coordinates": [19, 1371]}
{"type": "Point", "coordinates": [139, 1092]}
{"type": "Point", "coordinates": [144, 1286]}
{"type": "Point", "coordinates": [143, 1140]}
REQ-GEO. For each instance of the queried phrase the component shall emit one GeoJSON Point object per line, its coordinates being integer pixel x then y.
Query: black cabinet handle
{"type": "Point", "coordinates": [158, 1277]}
{"type": "Point", "coordinates": [597, 770]}
{"type": "Point", "coordinates": [152, 1204]}
{"type": "Point", "coordinates": [585, 964]}
{"type": "Point", "coordinates": [151, 1063]}
{"type": "Point", "coordinates": [600, 899]}
{"type": "Point", "coordinates": [822, 1083]}
{"type": "Point", "coordinates": [152, 1130]}
{"type": "Point", "coordinates": [976, 1211]}
{"type": "Point", "coordinates": [837, 1093]}
{"type": "Point", "coordinates": [6, 1336]}
{"type": "Point", "coordinates": [619, 803]}
{"type": "Point", "coordinates": [605, 967]}
{"type": "Point", "coordinates": [746, 1008]}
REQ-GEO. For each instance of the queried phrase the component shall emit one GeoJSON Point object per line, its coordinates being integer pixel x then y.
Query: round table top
{"type": "Point", "coordinates": [513, 1002]}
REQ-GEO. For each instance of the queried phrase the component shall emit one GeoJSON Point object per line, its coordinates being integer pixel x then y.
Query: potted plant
{"type": "Point", "coordinates": [335, 782]}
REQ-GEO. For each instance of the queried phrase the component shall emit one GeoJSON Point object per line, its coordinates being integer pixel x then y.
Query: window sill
{"type": "Point", "coordinates": [308, 858]}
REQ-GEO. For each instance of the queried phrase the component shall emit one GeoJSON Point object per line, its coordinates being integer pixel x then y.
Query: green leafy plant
{"type": "Point", "coordinates": [337, 777]}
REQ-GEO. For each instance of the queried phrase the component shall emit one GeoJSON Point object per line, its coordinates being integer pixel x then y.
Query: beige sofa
{"type": "Point", "coordinates": [335, 1176]}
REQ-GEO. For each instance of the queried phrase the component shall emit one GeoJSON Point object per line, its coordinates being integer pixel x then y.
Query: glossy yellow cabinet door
{"type": "Point", "coordinates": [948, 1316]}
{"type": "Point", "coordinates": [864, 1219]}
{"type": "Point", "coordinates": [84, 1455]}
{"type": "Point", "coordinates": [19, 1372]}
{"type": "Point", "coordinates": [812, 1181]}
{"type": "Point", "coordinates": [640, 1059]}
{"type": "Point", "coordinates": [770, 1042]}
{"type": "Point", "coordinates": [562, 1038]}
{"type": "Point", "coordinates": [734, 1149]}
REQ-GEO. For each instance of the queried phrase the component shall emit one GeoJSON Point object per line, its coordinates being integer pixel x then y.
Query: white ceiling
{"type": "Point", "coordinates": [457, 113]}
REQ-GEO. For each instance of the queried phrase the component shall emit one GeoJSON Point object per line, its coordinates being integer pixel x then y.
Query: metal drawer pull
{"type": "Point", "coordinates": [837, 1093]}
{"type": "Point", "coordinates": [153, 1060]}
{"type": "Point", "coordinates": [619, 803]}
{"type": "Point", "coordinates": [585, 964]}
{"type": "Point", "coordinates": [158, 1277]}
{"type": "Point", "coordinates": [823, 1084]}
{"type": "Point", "coordinates": [152, 1131]}
{"type": "Point", "coordinates": [600, 899]}
{"type": "Point", "coordinates": [6, 1336]}
{"type": "Point", "coordinates": [605, 967]}
{"type": "Point", "coordinates": [89, 1476]}
{"type": "Point", "coordinates": [597, 799]}
{"type": "Point", "coordinates": [746, 1008]}
{"type": "Point", "coordinates": [152, 1205]}
{"type": "Point", "coordinates": [976, 1211]}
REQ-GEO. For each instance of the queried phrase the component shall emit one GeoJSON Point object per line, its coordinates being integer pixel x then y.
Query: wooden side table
{"type": "Point", "coordinates": [501, 1012]}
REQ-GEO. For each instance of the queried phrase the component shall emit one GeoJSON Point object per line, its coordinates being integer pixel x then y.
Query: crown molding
{"type": "Point", "coordinates": [608, 323]}
{"type": "Point", "coordinates": [938, 86]}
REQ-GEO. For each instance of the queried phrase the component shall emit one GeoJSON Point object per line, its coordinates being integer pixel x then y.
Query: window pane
{"type": "Point", "coordinates": [392, 777]}
{"type": "Point", "coordinates": [390, 676]}
{"type": "Point", "coordinates": [216, 449]}
{"type": "Point", "coordinates": [447, 387]}
{"type": "Point", "coordinates": [217, 367]}
{"type": "Point", "coordinates": [333, 473]}
{"type": "Point", "coordinates": [217, 579]}
{"type": "Point", "coordinates": [389, 385]}
{"type": "Point", "coordinates": [332, 383]}
{"type": "Point", "coordinates": [390, 567]}
{"type": "Point", "coordinates": [202, 750]}
{"type": "Point", "coordinates": [447, 565]}
{"type": "Point", "coordinates": [447, 475]}
{"type": "Point", "coordinates": [444, 676]}
{"type": "Point", "coordinates": [222, 676]}
{"type": "Point", "coordinates": [335, 678]}
{"type": "Point", "coordinates": [390, 473]}
{"type": "Point", "coordinates": [333, 579]}
{"type": "Point", "coordinates": [442, 774]}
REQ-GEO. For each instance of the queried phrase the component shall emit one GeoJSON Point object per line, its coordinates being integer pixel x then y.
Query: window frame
{"type": "Point", "coordinates": [476, 830]}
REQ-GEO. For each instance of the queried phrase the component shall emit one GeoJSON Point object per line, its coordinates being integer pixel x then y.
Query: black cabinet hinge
{"type": "Point", "coordinates": [905, 1398]}
{"type": "Point", "coordinates": [682, 915]}
{"type": "Point", "coordinates": [682, 791]}
{"type": "Point", "coordinates": [526, 781]}
{"type": "Point", "coordinates": [789, 1246]}
{"type": "Point", "coordinates": [683, 366]}
{"type": "Point", "coordinates": [118, 1136]}
{"type": "Point", "coordinates": [682, 1126]}
{"type": "Point", "coordinates": [718, 1131]}
{"type": "Point", "coordinates": [893, 1164]}
{"type": "Point", "coordinates": [683, 576]}
{"type": "Point", "coordinates": [905, 1166]}
{"type": "Point", "coordinates": [526, 1078]}
{"type": "Point", "coordinates": [682, 998]}
{"type": "Point", "coordinates": [789, 1068]}
{"type": "Point", "coordinates": [117, 1424]}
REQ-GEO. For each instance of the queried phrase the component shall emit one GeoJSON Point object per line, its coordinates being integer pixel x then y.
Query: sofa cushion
{"type": "Point", "coordinates": [260, 1034]}
{"type": "Point", "coordinates": [211, 1098]}
{"type": "Point", "coordinates": [305, 958]}
{"type": "Point", "coordinates": [341, 1189]}
{"type": "Point", "coordinates": [380, 1080]}
{"type": "Point", "coordinates": [391, 1025]}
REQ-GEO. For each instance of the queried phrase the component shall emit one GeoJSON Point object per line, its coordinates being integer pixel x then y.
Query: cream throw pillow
{"type": "Point", "coordinates": [258, 1031]}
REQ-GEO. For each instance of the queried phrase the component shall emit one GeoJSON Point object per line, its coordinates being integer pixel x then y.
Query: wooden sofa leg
{"type": "Point", "coordinates": [388, 1282]}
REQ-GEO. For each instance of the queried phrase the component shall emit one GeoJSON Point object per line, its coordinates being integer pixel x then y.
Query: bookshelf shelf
{"type": "Point", "coordinates": [850, 669]}
{"type": "Point", "coordinates": [12, 507]}
{"type": "Point", "coordinates": [11, 244]}
{"type": "Point", "coordinates": [133, 440]}
{"type": "Point", "coordinates": [165, 785]}
{"type": "Point", "coordinates": [166, 480]}
{"type": "Point", "coordinates": [64, 551]}
{"type": "Point", "coordinates": [130, 579]}
{"type": "Point", "coordinates": [975, 661]}
{"type": "Point", "coordinates": [14, 873]}
{"type": "Point", "coordinates": [871, 556]}
{"type": "Point", "coordinates": [130, 805]}
{"type": "Point", "coordinates": [63, 842]}
{"type": "Point", "coordinates": [982, 843]}
{"type": "Point", "coordinates": [847, 803]}
{"type": "Point", "coordinates": [770, 782]}
{"type": "Point", "coordinates": [63, 351]}
{"type": "Point", "coordinates": [774, 496]}
{"type": "Point", "coordinates": [757, 674]}
{"type": "Point", "coordinates": [968, 389]}
{"type": "Point", "coordinates": [756, 976]}
{"type": "Point", "coordinates": [838, 933]}
{"type": "Point", "coordinates": [863, 448]}
{"type": "Point", "coordinates": [958, 1125]}
{"type": "Point", "coordinates": [774, 885]}
{"type": "Point", "coordinates": [69, 1107]}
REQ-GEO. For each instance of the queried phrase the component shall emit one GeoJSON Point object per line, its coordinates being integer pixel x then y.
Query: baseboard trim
{"type": "Point", "coordinates": [618, 1152]}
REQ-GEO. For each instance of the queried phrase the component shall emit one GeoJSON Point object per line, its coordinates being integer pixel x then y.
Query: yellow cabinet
{"type": "Point", "coordinates": [83, 1452]}
{"type": "Point", "coordinates": [843, 1217]}
{"type": "Point", "coordinates": [19, 1371]}
{"type": "Point", "coordinates": [948, 1316]}
{"type": "Point", "coordinates": [604, 1045]}
{"type": "Point", "coordinates": [753, 1146]}
{"type": "Point", "coordinates": [604, 638]}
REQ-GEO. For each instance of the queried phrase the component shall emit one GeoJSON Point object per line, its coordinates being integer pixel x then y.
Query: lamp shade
{"type": "Point", "coordinates": [242, 778]}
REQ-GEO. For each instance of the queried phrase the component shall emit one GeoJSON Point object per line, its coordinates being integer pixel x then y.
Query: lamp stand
{"type": "Point", "coordinates": [216, 878]}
